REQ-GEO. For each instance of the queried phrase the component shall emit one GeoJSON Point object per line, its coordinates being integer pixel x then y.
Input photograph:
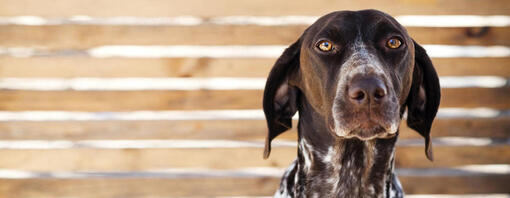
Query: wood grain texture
{"type": "Point", "coordinates": [81, 37]}
{"type": "Point", "coordinates": [79, 159]}
{"type": "Point", "coordinates": [476, 97]}
{"type": "Point", "coordinates": [66, 67]}
{"type": "Point", "coordinates": [19, 100]}
{"type": "Point", "coordinates": [71, 67]}
{"type": "Point", "coordinates": [458, 185]}
{"type": "Point", "coordinates": [131, 187]}
{"type": "Point", "coordinates": [497, 127]}
{"type": "Point", "coordinates": [130, 100]}
{"type": "Point", "coordinates": [137, 187]}
{"type": "Point", "coordinates": [98, 8]}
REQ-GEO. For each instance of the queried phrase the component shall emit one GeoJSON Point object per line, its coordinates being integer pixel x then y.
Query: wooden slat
{"type": "Point", "coordinates": [224, 158]}
{"type": "Point", "coordinates": [472, 66]}
{"type": "Point", "coordinates": [119, 67]}
{"type": "Point", "coordinates": [497, 127]}
{"type": "Point", "coordinates": [68, 67]}
{"type": "Point", "coordinates": [59, 8]}
{"type": "Point", "coordinates": [460, 36]}
{"type": "Point", "coordinates": [452, 185]}
{"type": "Point", "coordinates": [203, 99]}
{"type": "Point", "coordinates": [226, 186]}
{"type": "Point", "coordinates": [89, 36]}
{"type": "Point", "coordinates": [452, 156]}
{"type": "Point", "coordinates": [464, 127]}
{"type": "Point", "coordinates": [131, 100]}
{"type": "Point", "coordinates": [137, 187]}
{"type": "Point", "coordinates": [71, 36]}
{"type": "Point", "coordinates": [476, 97]}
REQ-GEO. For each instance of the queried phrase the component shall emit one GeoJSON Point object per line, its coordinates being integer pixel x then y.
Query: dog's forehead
{"type": "Point", "coordinates": [351, 23]}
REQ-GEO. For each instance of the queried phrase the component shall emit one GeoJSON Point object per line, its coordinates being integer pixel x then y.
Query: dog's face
{"type": "Point", "coordinates": [358, 71]}
{"type": "Point", "coordinates": [355, 68]}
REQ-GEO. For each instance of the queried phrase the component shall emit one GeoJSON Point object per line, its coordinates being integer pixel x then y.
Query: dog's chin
{"type": "Point", "coordinates": [368, 131]}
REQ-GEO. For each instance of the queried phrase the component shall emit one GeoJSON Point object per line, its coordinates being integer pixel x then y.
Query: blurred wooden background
{"type": "Point", "coordinates": [136, 98]}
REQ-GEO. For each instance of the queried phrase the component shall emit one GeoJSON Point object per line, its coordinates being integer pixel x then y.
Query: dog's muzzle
{"type": "Point", "coordinates": [366, 108]}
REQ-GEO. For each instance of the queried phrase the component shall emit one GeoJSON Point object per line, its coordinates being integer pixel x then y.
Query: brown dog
{"type": "Point", "coordinates": [351, 76]}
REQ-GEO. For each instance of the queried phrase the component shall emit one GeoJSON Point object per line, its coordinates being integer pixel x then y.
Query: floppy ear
{"type": "Point", "coordinates": [280, 97]}
{"type": "Point", "coordinates": [424, 96]}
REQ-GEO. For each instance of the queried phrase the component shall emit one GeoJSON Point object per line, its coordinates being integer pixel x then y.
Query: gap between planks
{"type": "Point", "coordinates": [228, 51]}
{"type": "Point", "coordinates": [466, 171]}
{"type": "Point", "coordinates": [405, 20]}
{"type": "Point", "coordinates": [202, 144]}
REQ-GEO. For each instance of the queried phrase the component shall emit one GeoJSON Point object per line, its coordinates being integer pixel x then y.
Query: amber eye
{"type": "Point", "coordinates": [394, 43]}
{"type": "Point", "coordinates": [325, 46]}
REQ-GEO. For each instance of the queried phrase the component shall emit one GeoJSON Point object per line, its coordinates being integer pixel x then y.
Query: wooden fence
{"type": "Point", "coordinates": [75, 122]}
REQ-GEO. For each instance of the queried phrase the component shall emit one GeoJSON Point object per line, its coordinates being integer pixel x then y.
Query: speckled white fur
{"type": "Point", "coordinates": [307, 154]}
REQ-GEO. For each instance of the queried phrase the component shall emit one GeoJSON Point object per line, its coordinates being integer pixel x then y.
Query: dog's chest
{"type": "Point", "coordinates": [353, 171]}
{"type": "Point", "coordinates": [295, 186]}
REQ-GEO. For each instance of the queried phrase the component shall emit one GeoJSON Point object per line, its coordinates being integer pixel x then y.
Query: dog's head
{"type": "Point", "coordinates": [358, 70]}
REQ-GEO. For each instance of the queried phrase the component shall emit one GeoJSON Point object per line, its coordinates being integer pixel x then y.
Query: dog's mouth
{"type": "Point", "coordinates": [370, 130]}
{"type": "Point", "coordinates": [366, 128]}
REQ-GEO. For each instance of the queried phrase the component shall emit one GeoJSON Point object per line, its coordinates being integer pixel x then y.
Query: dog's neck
{"type": "Point", "coordinates": [349, 168]}
{"type": "Point", "coordinates": [332, 167]}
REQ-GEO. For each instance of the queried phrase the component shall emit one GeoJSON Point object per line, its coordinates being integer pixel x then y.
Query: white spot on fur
{"type": "Point", "coordinates": [279, 194]}
{"type": "Point", "coordinates": [296, 178]}
{"type": "Point", "coordinates": [371, 189]}
{"type": "Point", "coordinates": [333, 180]}
{"type": "Point", "coordinates": [282, 192]}
{"type": "Point", "coordinates": [394, 127]}
{"type": "Point", "coordinates": [306, 151]}
{"type": "Point", "coordinates": [329, 156]}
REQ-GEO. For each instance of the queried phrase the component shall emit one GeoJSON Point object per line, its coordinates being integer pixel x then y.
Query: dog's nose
{"type": "Point", "coordinates": [363, 90]}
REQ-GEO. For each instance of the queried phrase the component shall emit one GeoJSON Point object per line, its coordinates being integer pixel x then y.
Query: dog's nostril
{"type": "Point", "coordinates": [379, 93]}
{"type": "Point", "coordinates": [357, 94]}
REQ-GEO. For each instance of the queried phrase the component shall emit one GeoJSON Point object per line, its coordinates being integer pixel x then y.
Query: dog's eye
{"type": "Point", "coordinates": [325, 46]}
{"type": "Point", "coordinates": [394, 43]}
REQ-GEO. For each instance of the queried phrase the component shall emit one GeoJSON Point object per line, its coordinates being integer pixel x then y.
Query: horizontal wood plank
{"type": "Point", "coordinates": [137, 187]}
{"type": "Point", "coordinates": [445, 184]}
{"type": "Point", "coordinates": [19, 100]}
{"type": "Point", "coordinates": [78, 159]}
{"type": "Point", "coordinates": [460, 36]}
{"type": "Point", "coordinates": [497, 127]}
{"type": "Point", "coordinates": [59, 8]}
{"type": "Point", "coordinates": [476, 97]}
{"type": "Point", "coordinates": [104, 187]}
{"type": "Point", "coordinates": [81, 37]}
{"type": "Point", "coordinates": [70, 67]}
{"type": "Point", "coordinates": [119, 67]}
{"type": "Point", "coordinates": [131, 100]}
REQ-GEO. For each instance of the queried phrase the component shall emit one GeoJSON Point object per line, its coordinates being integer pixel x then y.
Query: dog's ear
{"type": "Point", "coordinates": [424, 97]}
{"type": "Point", "coordinates": [279, 96]}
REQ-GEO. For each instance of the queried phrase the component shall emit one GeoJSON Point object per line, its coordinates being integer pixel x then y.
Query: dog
{"type": "Point", "coordinates": [351, 75]}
